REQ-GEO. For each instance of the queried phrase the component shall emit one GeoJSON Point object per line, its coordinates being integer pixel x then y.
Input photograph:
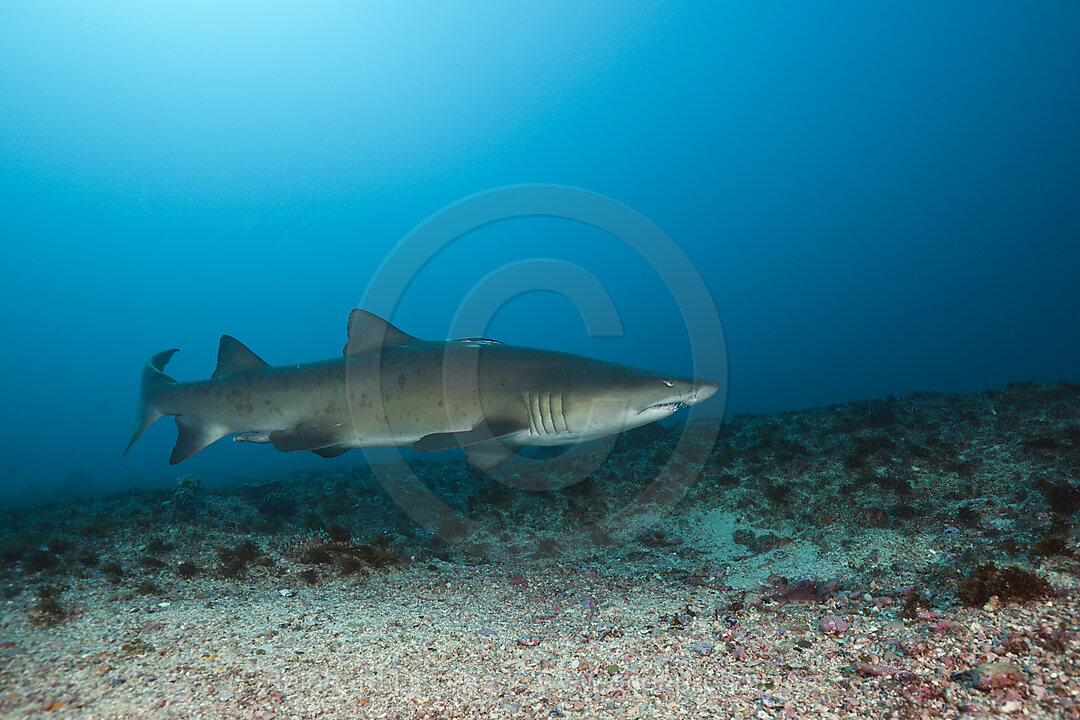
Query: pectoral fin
{"type": "Point", "coordinates": [486, 455]}
{"type": "Point", "coordinates": [483, 431]}
{"type": "Point", "coordinates": [331, 452]}
{"type": "Point", "coordinates": [486, 445]}
{"type": "Point", "coordinates": [304, 437]}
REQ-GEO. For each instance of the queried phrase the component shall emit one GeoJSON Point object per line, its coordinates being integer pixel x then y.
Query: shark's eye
{"type": "Point", "coordinates": [669, 383]}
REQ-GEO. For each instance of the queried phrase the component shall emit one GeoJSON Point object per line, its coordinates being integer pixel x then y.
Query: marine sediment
{"type": "Point", "coordinates": [914, 556]}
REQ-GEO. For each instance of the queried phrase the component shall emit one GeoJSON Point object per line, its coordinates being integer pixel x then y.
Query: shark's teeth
{"type": "Point", "coordinates": [672, 406]}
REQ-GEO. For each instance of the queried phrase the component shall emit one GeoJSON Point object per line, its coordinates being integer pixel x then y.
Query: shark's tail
{"type": "Point", "coordinates": [153, 380]}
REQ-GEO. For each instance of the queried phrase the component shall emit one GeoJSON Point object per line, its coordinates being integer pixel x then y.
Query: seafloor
{"type": "Point", "coordinates": [904, 557]}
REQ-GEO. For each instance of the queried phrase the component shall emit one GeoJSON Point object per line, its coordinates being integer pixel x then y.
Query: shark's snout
{"type": "Point", "coordinates": [702, 390]}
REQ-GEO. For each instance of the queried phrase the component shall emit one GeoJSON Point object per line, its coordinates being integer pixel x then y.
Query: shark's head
{"type": "Point", "coordinates": [614, 400]}
{"type": "Point", "coordinates": [657, 399]}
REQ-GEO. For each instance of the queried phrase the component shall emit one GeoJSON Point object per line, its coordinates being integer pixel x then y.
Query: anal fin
{"type": "Point", "coordinates": [191, 438]}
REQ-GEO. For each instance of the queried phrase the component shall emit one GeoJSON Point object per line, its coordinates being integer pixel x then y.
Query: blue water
{"type": "Point", "coordinates": [880, 198]}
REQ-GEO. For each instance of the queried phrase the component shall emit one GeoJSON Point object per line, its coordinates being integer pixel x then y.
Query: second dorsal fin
{"type": "Point", "coordinates": [233, 356]}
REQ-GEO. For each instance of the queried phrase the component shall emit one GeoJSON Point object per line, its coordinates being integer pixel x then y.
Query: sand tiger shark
{"type": "Point", "coordinates": [390, 389]}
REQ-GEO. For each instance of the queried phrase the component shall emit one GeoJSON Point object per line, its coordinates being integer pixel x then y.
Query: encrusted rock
{"type": "Point", "coordinates": [991, 676]}
{"type": "Point", "coordinates": [996, 675]}
{"type": "Point", "coordinates": [184, 497]}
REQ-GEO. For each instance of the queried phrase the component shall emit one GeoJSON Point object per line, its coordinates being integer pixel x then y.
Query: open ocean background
{"type": "Point", "coordinates": [880, 198]}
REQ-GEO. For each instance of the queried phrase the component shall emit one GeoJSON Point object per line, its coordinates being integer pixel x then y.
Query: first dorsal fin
{"type": "Point", "coordinates": [369, 332]}
{"type": "Point", "coordinates": [233, 356]}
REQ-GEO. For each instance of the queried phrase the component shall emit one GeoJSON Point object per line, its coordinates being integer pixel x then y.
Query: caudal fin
{"type": "Point", "coordinates": [153, 380]}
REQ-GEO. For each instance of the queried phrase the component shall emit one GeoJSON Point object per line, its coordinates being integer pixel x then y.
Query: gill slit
{"type": "Point", "coordinates": [527, 399]}
{"type": "Point", "coordinates": [534, 409]}
{"type": "Point", "coordinates": [562, 413]}
{"type": "Point", "coordinates": [546, 413]}
{"type": "Point", "coordinates": [549, 422]}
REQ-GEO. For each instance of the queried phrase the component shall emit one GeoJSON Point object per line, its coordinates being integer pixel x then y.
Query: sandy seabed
{"type": "Point", "coordinates": [907, 558]}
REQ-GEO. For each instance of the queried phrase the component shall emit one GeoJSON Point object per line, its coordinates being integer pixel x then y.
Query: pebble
{"type": "Point", "coordinates": [832, 625]}
{"type": "Point", "coordinates": [991, 676]}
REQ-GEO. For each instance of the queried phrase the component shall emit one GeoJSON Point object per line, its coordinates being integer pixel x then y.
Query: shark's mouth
{"type": "Point", "coordinates": [666, 407]}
